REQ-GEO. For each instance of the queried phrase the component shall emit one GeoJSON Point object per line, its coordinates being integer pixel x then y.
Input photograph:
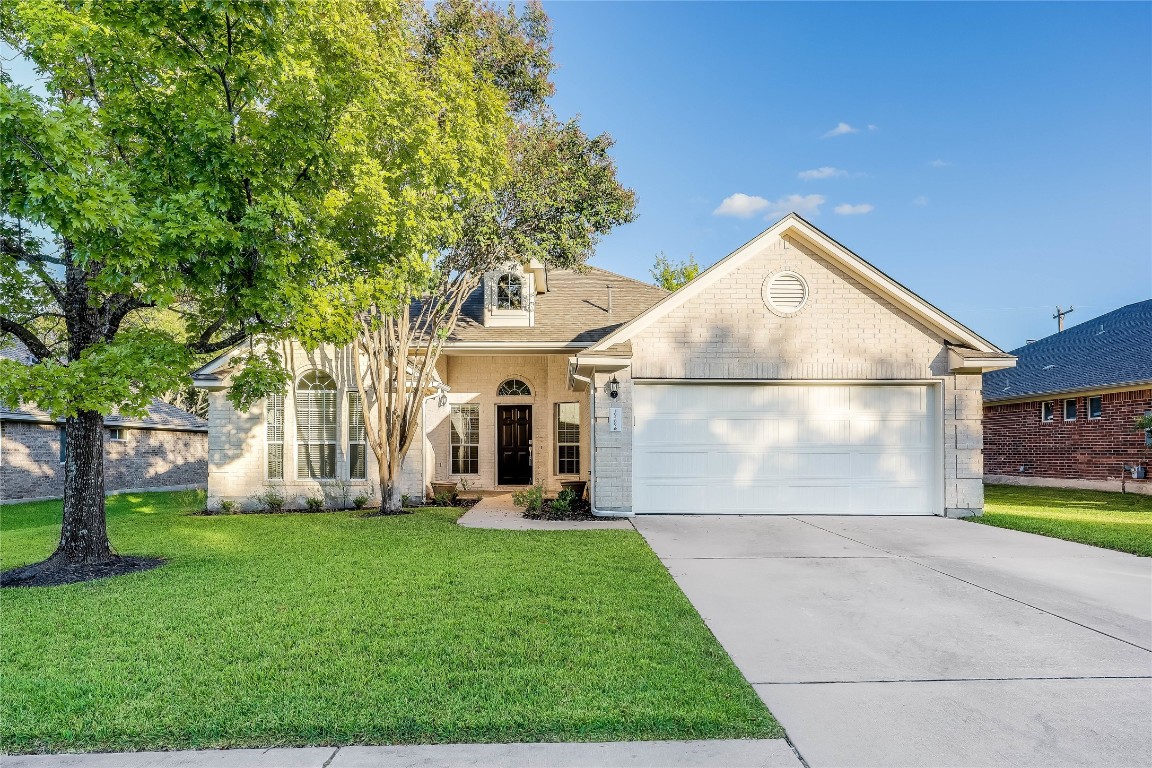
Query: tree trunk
{"type": "Point", "coordinates": [390, 498]}
{"type": "Point", "coordinates": [84, 533]}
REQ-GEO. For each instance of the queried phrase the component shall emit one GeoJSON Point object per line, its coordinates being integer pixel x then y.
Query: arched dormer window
{"type": "Point", "coordinates": [509, 292]}
{"type": "Point", "coordinates": [315, 426]}
{"type": "Point", "coordinates": [514, 388]}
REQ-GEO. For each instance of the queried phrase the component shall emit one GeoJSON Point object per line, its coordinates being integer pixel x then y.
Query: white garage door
{"type": "Point", "coordinates": [785, 449]}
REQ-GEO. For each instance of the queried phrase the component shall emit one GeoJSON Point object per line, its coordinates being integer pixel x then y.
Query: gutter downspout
{"type": "Point", "coordinates": [592, 452]}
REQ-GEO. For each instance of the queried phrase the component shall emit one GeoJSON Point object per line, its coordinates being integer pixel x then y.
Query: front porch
{"type": "Point", "coordinates": [507, 422]}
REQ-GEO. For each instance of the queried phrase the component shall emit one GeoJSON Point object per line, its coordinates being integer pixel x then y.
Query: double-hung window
{"type": "Point", "coordinates": [1070, 410]}
{"type": "Point", "coordinates": [567, 438]}
{"type": "Point", "coordinates": [274, 436]}
{"type": "Point", "coordinates": [465, 439]}
{"type": "Point", "coordinates": [357, 439]}
{"type": "Point", "coordinates": [316, 427]}
{"type": "Point", "coordinates": [1047, 409]}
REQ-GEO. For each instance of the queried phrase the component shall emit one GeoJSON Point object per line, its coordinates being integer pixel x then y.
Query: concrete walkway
{"type": "Point", "coordinates": [926, 641]}
{"type": "Point", "coordinates": [500, 513]}
{"type": "Point", "coordinates": [773, 753]}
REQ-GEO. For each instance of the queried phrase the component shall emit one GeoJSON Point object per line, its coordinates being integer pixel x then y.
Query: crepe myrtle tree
{"type": "Point", "coordinates": [230, 161]}
{"type": "Point", "coordinates": [559, 196]}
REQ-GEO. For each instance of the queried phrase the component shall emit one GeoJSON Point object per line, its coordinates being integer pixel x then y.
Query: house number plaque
{"type": "Point", "coordinates": [614, 419]}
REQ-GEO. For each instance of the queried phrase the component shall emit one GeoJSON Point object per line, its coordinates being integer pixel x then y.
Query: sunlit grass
{"type": "Point", "coordinates": [1112, 520]}
{"type": "Point", "coordinates": [266, 630]}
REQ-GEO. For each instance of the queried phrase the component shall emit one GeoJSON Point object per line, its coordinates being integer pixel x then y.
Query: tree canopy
{"type": "Point", "coordinates": [674, 275]}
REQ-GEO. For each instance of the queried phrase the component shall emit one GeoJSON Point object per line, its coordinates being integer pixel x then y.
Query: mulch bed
{"type": "Point", "coordinates": [46, 574]}
{"type": "Point", "coordinates": [580, 510]}
{"type": "Point", "coordinates": [458, 502]}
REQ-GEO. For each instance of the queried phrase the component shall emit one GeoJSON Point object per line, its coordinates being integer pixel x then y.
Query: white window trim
{"type": "Point", "coordinates": [335, 442]}
{"type": "Point", "coordinates": [577, 444]}
{"type": "Point", "coordinates": [1075, 408]}
{"type": "Point", "coordinates": [116, 435]}
{"type": "Point", "coordinates": [1088, 407]}
{"type": "Point", "coordinates": [281, 442]}
{"type": "Point", "coordinates": [1052, 416]}
{"type": "Point", "coordinates": [452, 444]}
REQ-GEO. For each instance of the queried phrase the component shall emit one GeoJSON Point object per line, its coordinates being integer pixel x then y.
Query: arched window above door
{"type": "Point", "coordinates": [514, 388]}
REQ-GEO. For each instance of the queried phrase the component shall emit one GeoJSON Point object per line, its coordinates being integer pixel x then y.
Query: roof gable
{"type": "Point", "coordinates": [793, 226]}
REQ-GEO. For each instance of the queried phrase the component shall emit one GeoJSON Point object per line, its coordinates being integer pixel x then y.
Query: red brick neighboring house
{"type": "Point", "coordinates": [167, 450]}
{"type": "Point", "coordinates": [1064, 415]}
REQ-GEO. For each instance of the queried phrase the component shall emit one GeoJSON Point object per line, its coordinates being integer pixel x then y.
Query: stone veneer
{"type": "Point", "coordinates": [146, 459]}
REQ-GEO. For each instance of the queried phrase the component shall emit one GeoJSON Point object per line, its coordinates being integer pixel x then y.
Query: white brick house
{"type": "Point", "coordinates": [791, 377]}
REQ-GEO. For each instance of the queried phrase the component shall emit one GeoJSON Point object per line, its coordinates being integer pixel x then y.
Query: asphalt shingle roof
{"type": "Point", "coordinates": [573, 310]}
{"type": "Point", "coordinates": [161, 415]}
{"type": "Point", "coordinates": [1109, 351]}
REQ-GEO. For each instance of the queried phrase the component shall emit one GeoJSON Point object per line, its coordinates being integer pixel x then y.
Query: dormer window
{"type": "Point", "coordinates": [509, 298]}
{"type": "Point", "coordinates": [509, 292]}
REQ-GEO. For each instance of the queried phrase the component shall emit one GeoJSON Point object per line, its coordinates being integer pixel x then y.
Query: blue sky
{"type": "Point", "coordinates": [1005, 150]}
{"type": "Point", "coordinates": [998, 162]}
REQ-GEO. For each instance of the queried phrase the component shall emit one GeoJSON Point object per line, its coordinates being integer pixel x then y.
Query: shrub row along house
{"type": "Point", "coordinates": [1064, 416]}
{"type": "Point", "coordinates": [791, 377]}
{"type": "Point", "coordinates": [166, 450]}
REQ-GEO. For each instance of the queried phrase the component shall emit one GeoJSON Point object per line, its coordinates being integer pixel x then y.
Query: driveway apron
{"type": "Point", "coordinates": [884, 641]}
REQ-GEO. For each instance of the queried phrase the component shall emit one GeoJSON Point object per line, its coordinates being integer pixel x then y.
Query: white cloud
{"type": "Point", "coordinates": [920, 200]}
{"type": "Point", "coordinates": [872, 127]}
{"type": "Point", "coordinates": [840, 130]}
{"type": "Point", "coordinates": [741, 205]}
{"type": "Point", "coordinates": [940, 163]}
{"type": "Point", "coordinates": [853, 210]}
{"type": "Point", "coordinates": [825, 172]}
{"type": "Point", "coordinates": [805, 205]}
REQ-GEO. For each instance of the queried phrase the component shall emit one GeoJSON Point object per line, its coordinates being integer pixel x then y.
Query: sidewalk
{"type": "Point", "coordinates": [771, 753]}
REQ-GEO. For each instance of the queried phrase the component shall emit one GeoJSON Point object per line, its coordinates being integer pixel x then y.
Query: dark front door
{"type": "Point", "coordinates": [514, 444]}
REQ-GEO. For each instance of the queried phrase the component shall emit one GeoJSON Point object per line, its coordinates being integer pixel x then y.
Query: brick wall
{"type": "Point", "coordinates": [1083, 449]}
{"type": "Point", "coordinates": [146, 458]}
{"type": "Point", "coordinates": [846, 331]}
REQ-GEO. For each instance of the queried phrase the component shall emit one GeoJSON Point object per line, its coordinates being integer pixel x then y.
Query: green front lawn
{"type": "Point", "coordinates": [1120, 521]}
{"type": "Point", "coordinates": [302, 629]}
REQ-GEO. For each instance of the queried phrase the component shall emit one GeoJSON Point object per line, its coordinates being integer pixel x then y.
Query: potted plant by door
{"type": "Point", "coordinates": [441, 489]}
{"type": "Point", "coordinates": [576, 486]}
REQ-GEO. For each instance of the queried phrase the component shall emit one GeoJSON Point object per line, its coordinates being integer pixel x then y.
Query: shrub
{"type": "Point", "coordinates": [361, 501]}
{"type": "Point", "coordinates": [271, 500]}
{"type": "Point", "coordinates": [562, 505]}
{"type": "Point", "coordinates": [445, 498]}
{"type": "Point", "coordinates": [314, 503]}
{"type": "Point", "coordinates": [228, 507]}
{"type": "Point", "coordinates": [529, 499]}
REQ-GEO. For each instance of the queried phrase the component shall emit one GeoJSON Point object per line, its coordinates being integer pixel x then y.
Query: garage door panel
{"type": "Point", "coordinates": [785, 449]}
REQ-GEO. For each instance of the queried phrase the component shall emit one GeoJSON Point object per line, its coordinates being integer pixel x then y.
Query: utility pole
{"type": "Point", "coordinates": [1059, 317]}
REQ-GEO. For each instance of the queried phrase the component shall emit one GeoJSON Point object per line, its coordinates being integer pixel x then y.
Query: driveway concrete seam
{"type": "Point", "coordinates": [978, 586]}
{"type": "Point", "coordinates": [331, 757]}
{"type": "Point", "coordinates": [955, 680]}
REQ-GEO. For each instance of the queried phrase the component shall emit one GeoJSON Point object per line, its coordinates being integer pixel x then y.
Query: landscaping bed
{"type": "Point", "coordinates": [1120, 521]}
{"type": "Point", "coordinates": [320, 629]}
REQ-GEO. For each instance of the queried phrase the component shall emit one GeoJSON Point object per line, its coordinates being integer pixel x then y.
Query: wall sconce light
{"type": "Point", "coordinates": [613, 388]}
{"type": "Point", "coordinates": [442, 400]}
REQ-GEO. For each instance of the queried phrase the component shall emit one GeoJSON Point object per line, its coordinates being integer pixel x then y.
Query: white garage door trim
{"type": "Point", "coordinates": [797, 447]}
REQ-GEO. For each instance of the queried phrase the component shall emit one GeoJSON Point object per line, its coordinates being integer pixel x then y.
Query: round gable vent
{"type": "Point", "coordinates": [785, 293]}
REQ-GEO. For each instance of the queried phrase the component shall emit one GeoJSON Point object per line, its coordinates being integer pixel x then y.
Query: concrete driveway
{"type": "Point", "coordinates": [925, 641]}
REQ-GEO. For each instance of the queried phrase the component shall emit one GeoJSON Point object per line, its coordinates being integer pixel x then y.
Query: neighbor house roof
{"type": "Point", "coordinates": [574, 310]}
{"type": "Point", "coordinates": [1110, 351]}
{"type": "Point", "coordinates": [161, 415]}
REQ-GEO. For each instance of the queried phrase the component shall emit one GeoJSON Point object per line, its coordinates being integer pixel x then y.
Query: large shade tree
{"type": "Point", "coordinates": [560, 195]}
{"type": "Point", "coordinates": [233, 160]}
